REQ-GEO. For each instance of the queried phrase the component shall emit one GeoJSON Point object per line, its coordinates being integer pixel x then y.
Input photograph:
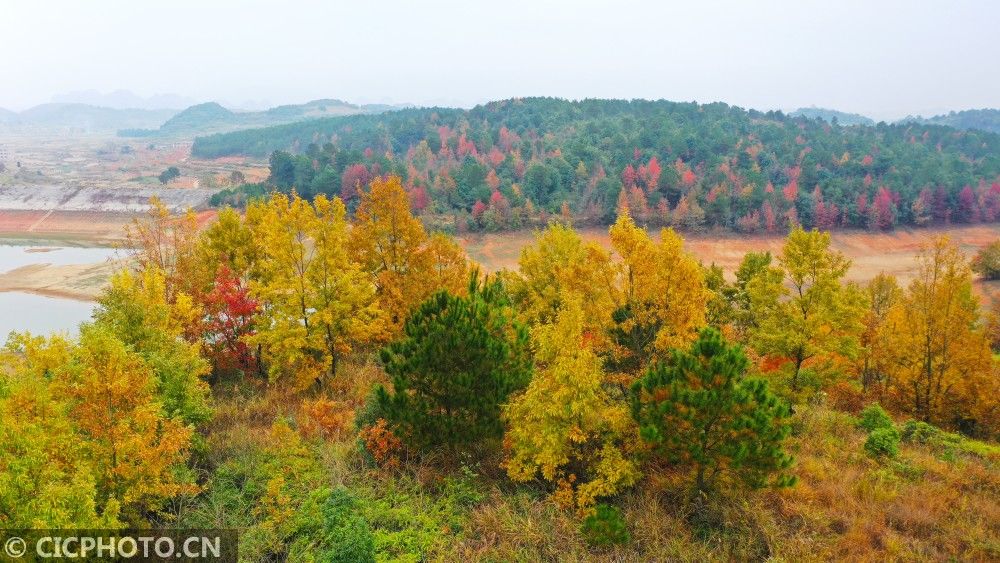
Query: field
{"type": "Point", "coordinates": [871, 253]}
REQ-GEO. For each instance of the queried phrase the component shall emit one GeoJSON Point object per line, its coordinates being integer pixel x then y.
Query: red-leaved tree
{"type": "Point", "coordinates": [230, 316]}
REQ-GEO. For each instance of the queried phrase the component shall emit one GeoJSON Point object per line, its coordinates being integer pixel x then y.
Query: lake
{"type": "Point", "coordinates": [40, 314]}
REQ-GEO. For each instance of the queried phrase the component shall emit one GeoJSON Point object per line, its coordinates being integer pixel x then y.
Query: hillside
{"type": "Point", "coordinates": [507, 164]}
{"type": "Point", "coordinates": [212, 117]}
{"type": "Point", "coordinates": [984, 119]}
{"type": "Point", "coordinates": [828, 115]}
{"type": "Point", "coordinates": [58, 116]}
{"type": "Point", "coordinates": [583, 406]}
{"type": "Point", "coordinates": [7, 116]}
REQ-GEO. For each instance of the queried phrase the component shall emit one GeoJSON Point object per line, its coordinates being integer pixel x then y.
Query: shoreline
{"type": "Point", "coordinates": [893, 252]}
{"type": "Point", "coordinates": [53, 293]}
{"type": "Point", "coordinates": [79, 282]}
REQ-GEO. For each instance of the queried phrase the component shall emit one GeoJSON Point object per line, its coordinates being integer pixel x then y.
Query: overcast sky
{"type": "Point", "coordinates": [885, 59]}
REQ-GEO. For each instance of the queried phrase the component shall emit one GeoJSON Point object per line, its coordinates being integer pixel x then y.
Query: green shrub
{"type": "Point", "coordinates": [239, 196]}
{"type": "Point", "coordinates": [917, 432]}
{"type": "Point", "coordinates": [883, 442]}
{"type": "Point", "coordinates": [347, 537]}
{"type": "Point", "coordinates": [605, 526]}
{"type": "Point", "coordinates": [987, 261]}
{"type": "Point", "coordinates": [407, 523]}
{"type": "Point", "coordinates": [874, 417]}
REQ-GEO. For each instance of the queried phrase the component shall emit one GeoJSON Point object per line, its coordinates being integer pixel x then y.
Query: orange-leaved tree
{"type": "Point", "coordinates": [391, 245]}
{"type": "Point", "coordinates": [133, 447]}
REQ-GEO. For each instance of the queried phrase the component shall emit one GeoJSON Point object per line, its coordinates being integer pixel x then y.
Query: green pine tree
{"type": "Point", "coordinates": [699, 411]}
{"type": "Point", "coordinates": [459, 359]}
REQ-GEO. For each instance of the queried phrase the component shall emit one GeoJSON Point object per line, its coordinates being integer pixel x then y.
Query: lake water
{"type": "Point", "coordinates": [42, 314]}
{"type": "Point", "coordinates": [13, 256]}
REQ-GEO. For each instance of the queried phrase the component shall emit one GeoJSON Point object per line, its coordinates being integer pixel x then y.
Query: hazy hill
{"type": "Point", "coordinates": [123, 99]}
{"type": "Point", "coordinates": [984, 119]}
{"type": "Point", "coordinates": [211, 117]}
{"type": "Point", "coordinates": [695, 166]}
{"type": "Point", "coordinates": [7, 116]}
{"type": "Point", "coordinates": [828, 115]}
{"type": "Point", "coordinates": [57, 116]}
{"type": "Point", "coordinates": [199, 116]}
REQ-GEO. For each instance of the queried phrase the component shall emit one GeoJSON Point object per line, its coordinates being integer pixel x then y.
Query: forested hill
{"type": "Point", "coordinates": [510, 163]}
{"type": "Point", "coordinates": [985, 119]}
{"type": "Point", "coordinates": [829, 115]}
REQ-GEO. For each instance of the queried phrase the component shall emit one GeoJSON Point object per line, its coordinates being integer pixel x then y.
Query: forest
{"type": "Point", "coordinates": [351, 387]}
{"type": "Point", "coordinates": [516, 163]}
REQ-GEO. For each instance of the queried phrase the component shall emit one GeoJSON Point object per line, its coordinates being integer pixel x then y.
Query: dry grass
{"type": "Point", "coordinates": [846, 506]}
{"type": "Point", "coordinates": [929, 504]}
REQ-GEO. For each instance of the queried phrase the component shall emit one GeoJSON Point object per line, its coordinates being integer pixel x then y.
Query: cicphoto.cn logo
{"type": "Point", "coordinates": [119, 545]}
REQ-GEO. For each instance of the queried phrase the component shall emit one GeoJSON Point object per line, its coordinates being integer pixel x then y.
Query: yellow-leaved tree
{"type": "Point", "coordinates": [229, 241]}
{"type": "Point", "coordinates": [661, 295]}
{"type": "Point", "coordinates": [566, 427]}
{"type": "Point", "coordinates": [47, 479]}
{"type": "Point", "coordinates": [942, 369]}
{"type": "Point", "coordinates": [876, 353]}
{"type": "Point", "coordinates": [317, 302]}
{"type": "Point", "coordinates": [559, 265]}
{"type": "Point", "coordinates": [391, 245]}
{"type": "Point", "coordinates": [135, 309]}
{"type": "Point", "coordinates": [802, 308]}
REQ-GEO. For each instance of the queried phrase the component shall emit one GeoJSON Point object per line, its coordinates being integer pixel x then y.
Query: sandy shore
{"type": "Point", "coordinates": [82, 282]}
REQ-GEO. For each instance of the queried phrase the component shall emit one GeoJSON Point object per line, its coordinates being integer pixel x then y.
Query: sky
{"type": "Point", "coordinates": [882, 58]}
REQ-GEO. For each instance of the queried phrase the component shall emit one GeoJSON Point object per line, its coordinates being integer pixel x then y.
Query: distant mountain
{"type": "Point", "coordinates": [198, 116]}
{"type": "Point", "coordinates": [124, 99]}
{"type": "Point", "coordinates": [7, 116]}
{"type": "Point", "coordinates": [213, 118]}
{"type": "Point", "coordinates": [379, 108]}
{"type": "Point", "coordinates": [982, 119]}
{"type": "Point", "coordinates": [828, 115]}
{"type": "Point", "coordinates": [82, 117]}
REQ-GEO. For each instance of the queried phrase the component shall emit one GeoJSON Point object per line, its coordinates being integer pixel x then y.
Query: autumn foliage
{"type": "Point", "coordinates": [252, 371]}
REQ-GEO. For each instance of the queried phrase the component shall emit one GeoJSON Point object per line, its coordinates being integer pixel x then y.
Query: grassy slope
{"type": "Point", "coordinates": [931, 503]}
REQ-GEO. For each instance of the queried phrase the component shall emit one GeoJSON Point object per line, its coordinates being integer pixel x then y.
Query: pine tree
{"type": "Point", "coordinates": [459, 359]}
{"type": "Point", "coordinates": [699, 410]}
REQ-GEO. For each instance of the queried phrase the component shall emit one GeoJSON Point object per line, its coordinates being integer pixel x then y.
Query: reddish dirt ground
{"type": "Point", "coordinates": [83, 228]}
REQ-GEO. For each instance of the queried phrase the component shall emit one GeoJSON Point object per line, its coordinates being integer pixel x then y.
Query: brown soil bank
{"type": "Point", "coordinates": [74, 228]}
{"type": "Point", "coordinates": [83, 282]}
